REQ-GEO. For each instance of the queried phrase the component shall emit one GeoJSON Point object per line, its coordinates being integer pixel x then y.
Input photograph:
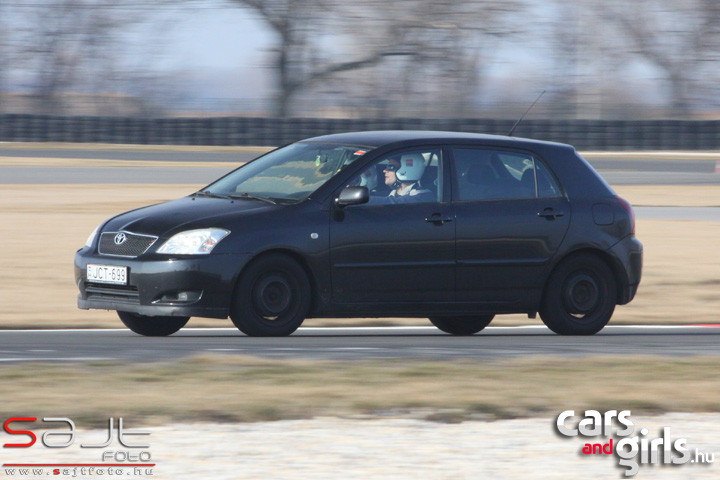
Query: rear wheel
{"type": "Point", "coordinates": [462, 325]}
{"type": "Point", "coordinates": [152, 326]}
{"type": "Point", "coordinates": [580, 296]}
{"type": "Point", "coordinates": [272, 297]}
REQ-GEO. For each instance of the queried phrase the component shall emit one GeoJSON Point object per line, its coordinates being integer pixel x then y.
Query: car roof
{"type": "Point", "coordinates": [379, 138]}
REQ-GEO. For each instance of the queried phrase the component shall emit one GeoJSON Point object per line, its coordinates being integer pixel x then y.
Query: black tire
{"type": "Point", "coordinates": [272, 297]}
{"type": "Point", "coordinates": [580, 296]}
{"type": "Point", "coordinates": [152, 326]}
{"type": "Point", "coordinates": [462, 325]}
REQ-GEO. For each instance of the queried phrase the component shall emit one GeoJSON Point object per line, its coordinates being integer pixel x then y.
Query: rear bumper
{"type": "Point", "coordinates": [629, 253]}
{"type": "Point", "coordinates": [157, 286]}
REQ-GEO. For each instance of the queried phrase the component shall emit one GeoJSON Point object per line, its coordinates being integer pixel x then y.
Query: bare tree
{"type": "Point", "coordinates": [63, 46]}
{"type": "Point", "coordinates": [74, 48]}
{"type": "Point", "coordinates": [301, 27]}
{"type": "Point", "coordinates": [440, 37]}
{"type": "Point", "coordinates": [679, 37]}
{"type": "Point", "coordinates": [4, 49]}
{"type": "Point", "coordinates": [450, 45]}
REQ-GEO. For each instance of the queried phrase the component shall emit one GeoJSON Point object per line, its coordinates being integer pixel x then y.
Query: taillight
{"type": "Point", "coordinates": [626, 205]}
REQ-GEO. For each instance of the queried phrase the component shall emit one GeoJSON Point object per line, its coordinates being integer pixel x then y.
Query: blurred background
{"type": "Point", "coordinates": [609, 60]}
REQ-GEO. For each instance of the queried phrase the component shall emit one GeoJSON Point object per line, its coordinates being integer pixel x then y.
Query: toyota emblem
{"type": "Point", "coordinates": [120, 238]}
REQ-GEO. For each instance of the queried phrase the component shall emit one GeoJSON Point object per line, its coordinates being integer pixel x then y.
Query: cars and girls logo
{"type": "Point", "coordinates": [621, 440]}
{"type": "Point", "coordinates": [130, 458]}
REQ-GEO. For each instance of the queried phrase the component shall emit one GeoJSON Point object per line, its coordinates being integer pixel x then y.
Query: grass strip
{"type": "Point", "coordinates": [245, 389]}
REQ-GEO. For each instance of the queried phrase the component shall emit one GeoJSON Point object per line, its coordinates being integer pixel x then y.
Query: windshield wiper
{"type": "Point", "coordinates": [248, 196]}
{"type": "Point", "coordinates": [204, 193]}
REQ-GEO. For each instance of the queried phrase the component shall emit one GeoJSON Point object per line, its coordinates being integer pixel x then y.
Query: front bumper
{"type": "Point", "coordinates": [629, 253]}
{"type": "Point", "coordinates": [198, 286]}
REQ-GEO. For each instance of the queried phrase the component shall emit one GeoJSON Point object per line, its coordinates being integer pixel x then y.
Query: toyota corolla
{"type": "Point", "coordinates": [453, 227]}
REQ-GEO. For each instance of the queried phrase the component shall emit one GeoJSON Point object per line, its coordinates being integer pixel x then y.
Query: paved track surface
{"type": "Point", "coordinates": [129, 174]}
{"type": "Point", "coordinates": [355, 344]}
{"type": "Point", "coordinates": [134, 154]}
{"type": "Point", "coordinates": [617, 171]}
{"type": "Point", "coordinates": [610, 163]}
{"type": "Point", "coordinates": [203, 175]}
{"type": "Point", "coordinates": [19, 175]}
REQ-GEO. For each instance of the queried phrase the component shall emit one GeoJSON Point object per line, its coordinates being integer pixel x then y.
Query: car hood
{"type": "Point", "coordinates": [185, 213]}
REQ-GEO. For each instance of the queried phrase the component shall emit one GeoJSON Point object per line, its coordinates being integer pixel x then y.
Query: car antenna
{"type": "Point", "coordinates": [523, 115]}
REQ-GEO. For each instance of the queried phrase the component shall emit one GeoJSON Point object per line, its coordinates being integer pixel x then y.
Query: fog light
{"type": "Point", "coordinates": [179, 297]}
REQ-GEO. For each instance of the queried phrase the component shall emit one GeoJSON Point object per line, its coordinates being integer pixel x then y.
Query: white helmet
{"type": "Point", "coordinates": [368, 178]}
{"type": "Point", "coordinates": [412, 167]}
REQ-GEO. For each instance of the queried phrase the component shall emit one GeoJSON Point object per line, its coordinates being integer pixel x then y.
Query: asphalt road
{"type": "Point", "coordinates": [134, 154]}
{"type": "Point", "coordinates": [600, 163]}
{"type": "Point", "coordinates": [17, 175]}
{"type": "Point", "coordinates": [617, 171]}
{"type": "Point", "coordinates": [354, 344]}
{"type": "Point", "coordinates": [112, 175]}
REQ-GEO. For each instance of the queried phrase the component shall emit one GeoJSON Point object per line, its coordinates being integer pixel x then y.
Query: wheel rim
{"type": "Point", "coordinates": [581, 295]}
{"type": "Point", "coordinates": [272, 295]}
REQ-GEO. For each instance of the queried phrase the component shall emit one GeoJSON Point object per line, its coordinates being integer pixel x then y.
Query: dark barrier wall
{"type": "Point", "coordinates": [583, 134]}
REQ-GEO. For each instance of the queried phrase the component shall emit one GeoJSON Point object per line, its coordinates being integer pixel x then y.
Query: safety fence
{"type": "Point", "coordinates": [583, 134]}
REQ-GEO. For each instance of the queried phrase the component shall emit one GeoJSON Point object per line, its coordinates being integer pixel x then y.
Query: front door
{"type": "Point", "coordinates": [400, 247]}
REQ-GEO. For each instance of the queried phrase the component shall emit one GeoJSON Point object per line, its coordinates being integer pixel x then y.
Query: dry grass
{"type": "Point", "coordinates": [42, 226]}
{"type": "Point", "coordinates": [250, 389]}
{"type": "Point", "coordinates": [670, 195]}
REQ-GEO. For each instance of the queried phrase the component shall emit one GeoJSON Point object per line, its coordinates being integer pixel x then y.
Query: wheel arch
{"type": "Point", "coordinates": [609, 260]}
{"type": "Point", "coordinates": [293, 255]}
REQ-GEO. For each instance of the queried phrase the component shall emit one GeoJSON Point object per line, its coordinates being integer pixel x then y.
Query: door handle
{"type": "Point", "coordinates": [437, 219]}
{"type": "Point", "coordinates": [550, 213]}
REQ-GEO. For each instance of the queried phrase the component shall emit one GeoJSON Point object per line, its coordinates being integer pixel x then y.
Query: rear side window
{"type": "Point", "coordinates": [485, 174]}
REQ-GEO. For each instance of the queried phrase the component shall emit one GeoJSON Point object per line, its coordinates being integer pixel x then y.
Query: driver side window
{"type": "Point", "coordinates": [409, 176]}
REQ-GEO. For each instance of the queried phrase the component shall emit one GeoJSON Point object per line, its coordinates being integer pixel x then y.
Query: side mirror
{"type": "Point", "coordinates": [353, 196]}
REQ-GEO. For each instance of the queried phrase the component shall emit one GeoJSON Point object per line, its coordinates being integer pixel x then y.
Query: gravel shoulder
{"type": "Point", "coordinates": [392, 449]}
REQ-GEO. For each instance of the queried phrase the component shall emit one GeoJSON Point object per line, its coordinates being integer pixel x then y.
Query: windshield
{"type": "Point", "coordinates": [289, 173]}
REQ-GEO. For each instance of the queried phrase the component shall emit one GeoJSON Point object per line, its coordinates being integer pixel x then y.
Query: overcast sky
{"type": "Point", "coordinates": [213, 49]}
{"type": "Point", "coordinates": [224, 49]}
{"type": "Point", "coordinates": [224, 52]}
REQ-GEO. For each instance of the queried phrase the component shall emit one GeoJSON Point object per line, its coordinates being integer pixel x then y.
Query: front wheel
{"type": "Point", "coordinates": [580, 296]}
{"type": "Point", "coordinates": [462, 325]}
{"type": "Point", "coordinates": [152, 326]}
{"type": "Point", "coordinates": [272, 297]}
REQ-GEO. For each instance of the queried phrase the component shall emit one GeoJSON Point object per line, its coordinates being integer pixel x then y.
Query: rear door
{"type": "Point", "coordinates": [511, 217]}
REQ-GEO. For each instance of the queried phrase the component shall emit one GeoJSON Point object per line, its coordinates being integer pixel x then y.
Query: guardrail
{"type": "Point", "coordinates": [583, 134]}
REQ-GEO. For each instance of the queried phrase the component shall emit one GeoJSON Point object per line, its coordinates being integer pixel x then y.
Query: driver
{"type": "Point", "coordinates": [402, 175]}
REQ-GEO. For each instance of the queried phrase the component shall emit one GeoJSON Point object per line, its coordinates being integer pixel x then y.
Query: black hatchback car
{"type": "Point", "coordinates": [450, 226]}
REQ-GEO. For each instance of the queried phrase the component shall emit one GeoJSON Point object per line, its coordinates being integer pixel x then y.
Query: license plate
{"type": "Point", "coordinates": [107, 274]}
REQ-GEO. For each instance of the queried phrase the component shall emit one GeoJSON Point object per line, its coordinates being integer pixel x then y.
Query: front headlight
{"type": "Point", "coordinates": [194, 242]}
{"type": "Point", "coordinates": [92, 236]}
